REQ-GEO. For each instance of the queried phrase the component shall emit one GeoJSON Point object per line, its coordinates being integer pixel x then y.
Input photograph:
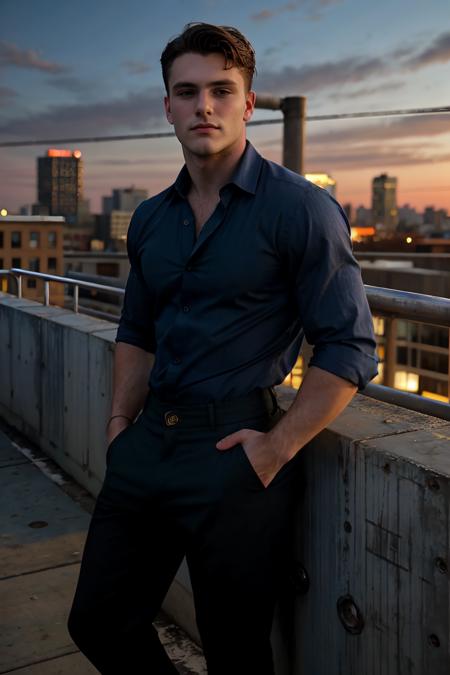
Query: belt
{"type": "Point", "coordinates": [260, 401]}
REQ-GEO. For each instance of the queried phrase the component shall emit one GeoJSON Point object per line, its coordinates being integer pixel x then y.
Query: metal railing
{"type": "Point", "coordinates": [386, 302]}
{"type": "Point", "coordinates": [17, 273]}
{"type": "Point", "coordinates": [420, 308]}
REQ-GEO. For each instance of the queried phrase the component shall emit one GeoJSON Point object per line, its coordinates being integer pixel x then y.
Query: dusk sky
{"type": "Point", "coordinates": [92, 68]}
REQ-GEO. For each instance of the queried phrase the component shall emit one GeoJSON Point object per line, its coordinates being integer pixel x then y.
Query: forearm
{"type": "Point", "coordinates": [321, 397]}
{"type": "Point", "coordinates": [132, 367]}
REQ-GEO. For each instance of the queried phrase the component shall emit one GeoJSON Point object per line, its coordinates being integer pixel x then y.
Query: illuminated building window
{"type": "Point", "coordinates": [406, 381]}
{"type": "Point", "coordinates": [378, 325]}
{"type": "Point", "coordinates": [52, 239]}
{"type": "Point", "coordinates": [435, 397]}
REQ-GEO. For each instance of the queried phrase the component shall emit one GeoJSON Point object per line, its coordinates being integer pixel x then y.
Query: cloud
{"type": "Point", "coordinates": [371, 157]}
{"type": "Point", "coordinates": [313, 77]}
{"type": "Point", "coordinates": [265, 14]}
{"type": "Point", "coordinates": [72, 84]}
{"type": "Point", "coordinates": [365, 91]}
{"type": "Point", "coordinates": [313, 15]}
{"type": "Point", "coordinates": [136, 112]}
{"type": "Point", "coordinates": [437, 52]}
{"type": "Point", "coordinates": [11, 55]}
{"type": "Point", "coordinates": [136, 67]}
{"type": "Point", "coordinates": [308, 78]}
{"type": "Point", "coordinates": [412, 126]}
{"type": "Point", "coordinates": [350, 157]}
{"type": "Point", "coordinates": [6, 95]}
{"type": "Point", "coordinates": [358, 144]}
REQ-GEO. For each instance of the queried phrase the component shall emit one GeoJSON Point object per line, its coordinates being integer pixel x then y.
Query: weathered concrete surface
{"type": "Point", "coordinates": [42, 534]}
{"type": "Point", "coordinates": [34, 610]}
{"type": "Point", "coordinates": [40, 527]}
{"type": "Point", "coordinates": [71, 664]}
{"type": "Point", "coordinates": [372, 532]}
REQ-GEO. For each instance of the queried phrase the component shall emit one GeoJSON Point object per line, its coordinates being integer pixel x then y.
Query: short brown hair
{"type": "Point", "coordinates": [205, 38]}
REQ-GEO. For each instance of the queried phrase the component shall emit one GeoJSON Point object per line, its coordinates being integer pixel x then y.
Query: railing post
{"type": "Point", "coordinates": [19, 286]}
{"type": "Point", "coordinates": [75, 299]}
{"type": "Point", "coordinates": [46, 293]}
{"type": "Point", "coordinates": [390, 354]}
{"type": "Point", "coordinates": [294, 110]}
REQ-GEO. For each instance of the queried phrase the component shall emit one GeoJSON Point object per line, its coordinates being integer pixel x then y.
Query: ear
{"type": "Point", "coordinates": [167, 108]}
{"type": "Point", "coordinates": [250, 100]}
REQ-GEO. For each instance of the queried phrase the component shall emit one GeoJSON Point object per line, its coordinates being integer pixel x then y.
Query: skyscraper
{"type": "Point", "coordinates": [384, 202]}
{"type": "Point", "coordinates": [60, 182]}
{"type": "Point", "coordinates": [124, 199]}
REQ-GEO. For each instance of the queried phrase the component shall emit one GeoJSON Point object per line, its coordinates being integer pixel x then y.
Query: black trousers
{"type": "Point", "coordinates": [169, 492]}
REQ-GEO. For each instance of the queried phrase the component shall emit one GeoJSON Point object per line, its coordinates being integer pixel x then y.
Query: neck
{"type": "Point", "coordinates": [210, 173]}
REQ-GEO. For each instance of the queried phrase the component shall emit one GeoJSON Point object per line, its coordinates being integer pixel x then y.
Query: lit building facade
{"type": "Point", "coordinates": [60, 183]}
{"type": "Point", "coordinates": [124, 199]}
{"type": "Point", "coordinates": [384, 202]}
{"type": "Point", "coordinates": [120, 222]}
{"type": "Point", "coordinates": [324, 181]}
{"type": "Point", "coordinates": [32, 243]}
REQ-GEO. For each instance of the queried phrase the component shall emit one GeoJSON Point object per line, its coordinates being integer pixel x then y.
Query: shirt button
{"type": "Point", "coordinates": [186, 308]}
{"type": "Point", "coordinates": [186, 222]}
{"type": "Point", "coordinates": [188, 268]}
{"type": "Point", "coordinates": [176, 360]}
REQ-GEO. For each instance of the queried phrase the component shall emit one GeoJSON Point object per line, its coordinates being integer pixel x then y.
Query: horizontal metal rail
{"type": "Point", "coordinates": [388, 302]}
{"type": "Point", "coordinates": [404, 399]}
{"type": "Point", "coordinates": [418, 307]}
{"type": "Point", "coordinates": [18, 273]}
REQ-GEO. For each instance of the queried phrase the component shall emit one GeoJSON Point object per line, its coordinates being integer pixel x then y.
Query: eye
{"type": "Point", "coordinates": [222, 92]}
{"type": "Point", "coordinates": [185, 93]}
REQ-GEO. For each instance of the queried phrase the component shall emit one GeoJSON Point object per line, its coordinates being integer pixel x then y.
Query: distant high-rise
{"type": "Point", "coordinates": [60, 182]}
{"type": "Point", "coordinates": [384, 202]}
{"type": "Point", "coordinates": [324, 181]}
{"type": "Point", "coordinates": [348, 210]}
{"type": "Point", "coordinates": [124, 199]}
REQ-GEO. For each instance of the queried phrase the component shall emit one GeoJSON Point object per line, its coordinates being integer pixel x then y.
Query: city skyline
{"type": "Point", "coordinates": [107, 80]}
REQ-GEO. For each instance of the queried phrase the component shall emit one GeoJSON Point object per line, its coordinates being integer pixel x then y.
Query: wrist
{"type": "Point", "coordinates": [285, 447]}
{"type": "Point", "coordinates": [119, 416]}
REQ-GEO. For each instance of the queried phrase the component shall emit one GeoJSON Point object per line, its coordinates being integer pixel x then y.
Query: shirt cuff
{"type": "Point", "coordinates": [132, 339]}
{"type": "Point", "coordinates": [348, 362]}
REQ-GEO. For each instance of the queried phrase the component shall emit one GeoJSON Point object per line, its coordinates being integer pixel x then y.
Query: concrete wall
{"type": "Point", "coordinates": [368, 588]}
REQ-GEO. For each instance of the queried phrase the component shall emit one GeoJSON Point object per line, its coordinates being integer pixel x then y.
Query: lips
{"type": "Point", "coordinates": [204, 126]}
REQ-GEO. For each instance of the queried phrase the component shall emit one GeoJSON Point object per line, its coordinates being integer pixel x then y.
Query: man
{"type": "Point", "coordinates": [230, 267]}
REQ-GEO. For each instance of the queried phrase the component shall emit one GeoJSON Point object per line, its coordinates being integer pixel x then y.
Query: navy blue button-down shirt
{"type": "Point", "coordinates": [226, 312]}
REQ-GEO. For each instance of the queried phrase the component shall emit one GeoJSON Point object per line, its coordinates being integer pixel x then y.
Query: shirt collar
{"type": "Point", "coordinates": [245, 176]}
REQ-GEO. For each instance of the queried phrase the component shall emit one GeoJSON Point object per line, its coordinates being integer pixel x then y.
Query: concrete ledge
{"type": "Point", "coordinates": [368, 588]}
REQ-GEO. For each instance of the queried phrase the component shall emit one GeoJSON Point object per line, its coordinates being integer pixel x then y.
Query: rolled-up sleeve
{"type": "Point", "coordinates": [136, 326]}
{"type": "Point", "coordinates": [329, 290]}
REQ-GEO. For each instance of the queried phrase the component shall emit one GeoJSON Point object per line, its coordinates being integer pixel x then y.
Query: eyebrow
{"type": "Point", "coordinates": [216, 83]}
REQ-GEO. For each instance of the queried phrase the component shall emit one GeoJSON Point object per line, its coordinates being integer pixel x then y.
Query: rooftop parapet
{"type": "Point", "coordinates": [368, 583]}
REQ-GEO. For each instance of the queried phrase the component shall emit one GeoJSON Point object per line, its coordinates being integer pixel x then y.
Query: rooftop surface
{"type": "Point", "coordinates": [44, 516]}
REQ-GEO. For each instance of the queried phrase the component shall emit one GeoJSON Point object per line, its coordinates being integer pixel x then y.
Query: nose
{"type": "Point", "coordinates": [204, 103]}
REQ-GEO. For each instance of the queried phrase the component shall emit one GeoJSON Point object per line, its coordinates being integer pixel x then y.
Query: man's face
{"type": "Point", "coordinates": [207, 104]}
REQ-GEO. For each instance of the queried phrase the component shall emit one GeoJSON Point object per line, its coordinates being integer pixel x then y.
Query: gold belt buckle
{"type": "Point", "coordinates": [171, 418]}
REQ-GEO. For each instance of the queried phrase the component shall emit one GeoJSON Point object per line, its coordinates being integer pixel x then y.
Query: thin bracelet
{"type": "Point", "coordinates": [113, 416]}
